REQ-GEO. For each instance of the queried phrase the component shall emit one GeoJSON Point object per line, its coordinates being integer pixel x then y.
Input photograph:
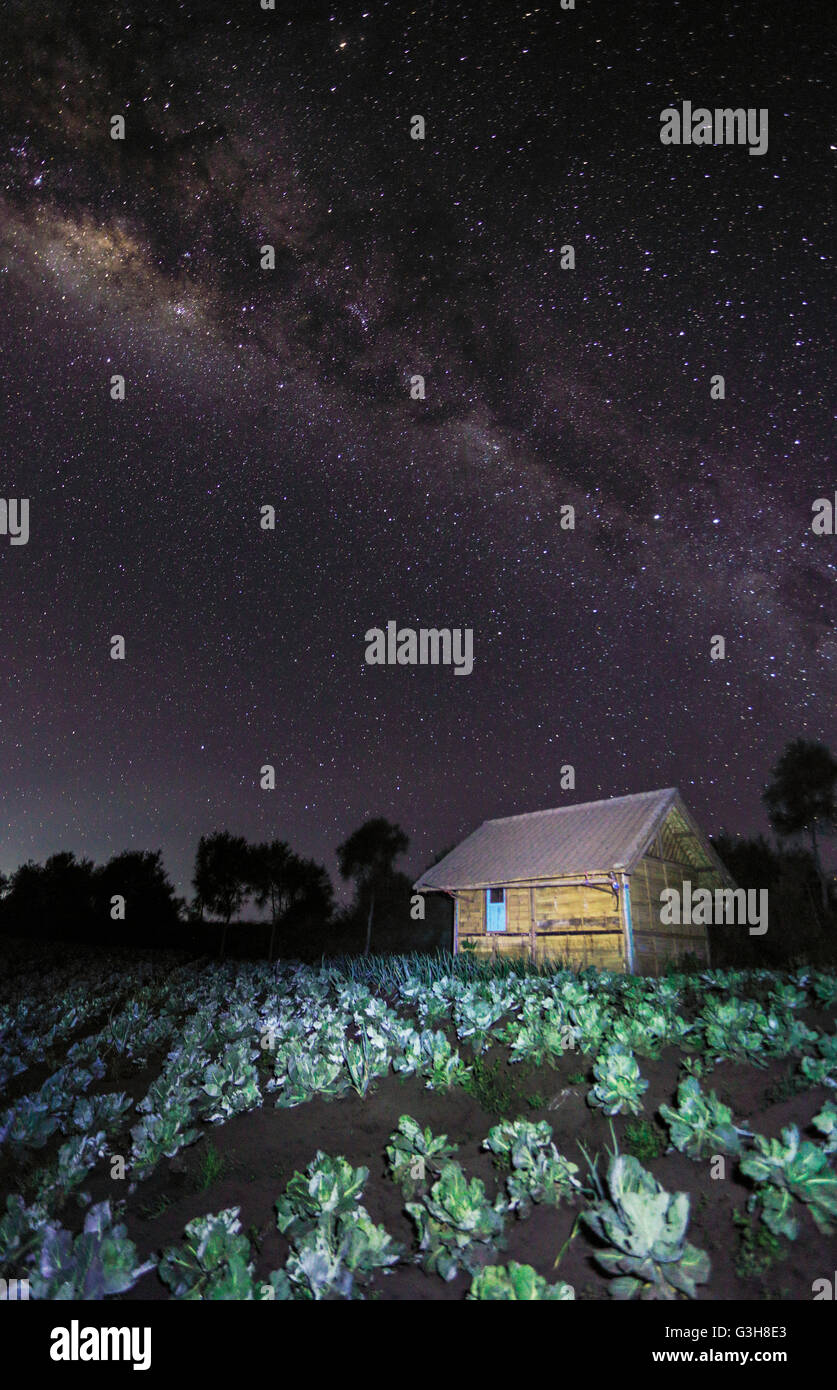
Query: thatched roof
{"type": "Point", "coordinates": [596, 837]}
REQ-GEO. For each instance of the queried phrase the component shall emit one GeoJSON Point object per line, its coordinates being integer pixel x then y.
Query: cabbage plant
{"type": "Point", "coordinates": [75, 1160]}
{"type": "Point", "coordinates": [619, 1086]}
{"type": "Point", "coordinates": [100, 1112]}
{"type": "Point", "coordinates": [20, 1230]}
{"type": "Point", "coordinates": [231, 1083]}
{"type": "Point", "coordinates": [824, 984]}
{"type": "Point", "coordinates": [303, 1075]}
{"type": "Point", "coordinates": [458, 1227]}
{"type": "Point", "coordinates": [99, 1261]}
{"type": "Point", "coordinates": [212, 1262]}
{"type": "Point", "coordinates": [644, 1228]}
{"type": "Point", "coordinates": [701, 1125]}
{"type": "Point", "coordinates": [161, 1135]}
{"type": "Point", "coordinates": [430, 1055]}
{"type": "Point", "coordinates": [786, 1170]}
{"type": "Point", "coordinates": [335, 1259]}
{"type": "Point", "coordinates": [365, 1059]}
{"type": "Point", "coordinates": [335, 1245]}
{"type": "Point", "coordinates": [735, 1030]}
{"type": "Point", "coordinates": [27, 1125]}
{"type": "Point", "coordinates": [826, 1123]}
{"type": "Point", "coordinates": [538, 1172]}
{"type": "Point", "coordinates": [517, 1283]}
{"type": "Point", "coordinates": [542, 1033]}
{"type": "Point", "coordinates": [329, 1189]}
{"type": "Point", "coordinates": [413, 1152]}
{"type": "Point", "coordinates": [818, 1071]}
{"type": "Point", "coordinates": [478, 1010]}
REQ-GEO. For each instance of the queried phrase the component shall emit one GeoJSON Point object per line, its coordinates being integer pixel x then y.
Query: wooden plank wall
{"type": "Point", "coordinates": [573, 924]}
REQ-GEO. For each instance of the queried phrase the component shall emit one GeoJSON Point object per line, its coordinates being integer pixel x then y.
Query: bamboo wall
{"type": "Point", "coordinates": [656, 943]}
{"type": "Point", "coordinates": [574, 924]}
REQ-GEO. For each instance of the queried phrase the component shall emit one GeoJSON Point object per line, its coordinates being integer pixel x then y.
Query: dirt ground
{"type": "Point", "coordinates": [258, 1153]}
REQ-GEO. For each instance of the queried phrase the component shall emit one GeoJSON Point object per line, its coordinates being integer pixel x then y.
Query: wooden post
{"type": "Point", "coordinates": [532, 924]}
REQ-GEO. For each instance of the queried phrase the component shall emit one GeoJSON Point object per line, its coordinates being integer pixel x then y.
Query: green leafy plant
{"type": "Point", "coordinates": [365, 1060]}
{"type": "Point", "coordinates": [818, 1071]}
{"type": "Point", "coordinates": [758, 1248]}
{"type": "Point", "coordinates": [786, 1170]}
{"type": "Point", "coordinates": [542, 1034]}
{"type": "Point", "coordinates": [334, 1243]}
{"type": "Point", "coordinates": [430, 1055]}
{"type": "Point", "coordinates": [619, 1086]}
{"type": "Point", "coordinates": [21, 1231]}
{"type": "Point", "coordinates": [645, 1228]}
{"type": "Point", "coordinates": [643, 1139]}
{"type": "Point", "coordinates": [28, 1125]}
{"type": "Point", "coordinates": [490, 1083]}
{"type": "Point", "coordinates": [824, 985]}
{"type": "Point", "coordinates": [333, 1259]}
{"type": "Point", "coordinates": [413, 1152]}
{"type": "Point", "coordinates": [160, 1135]}
{"type": "Point", "coordinates": [735, 1029]}
{"type": "Point", "coordinates": [826, 1123]}
{"type": "Point", "coordinates": [100, 1112]}
{"type": "Point", "coordinates": [329, 1189]}
{"type": "Point", "coordinates": [152, 1211]}
{"type": "Point", "coordinates": [72, 1165]}
{"type": "Point", "coordinates": [213, 1262]}
{"type": "Point", "coordinates": [211, 1167]}
{"type": "Point", "coordinates": [700, 1125]}
{"type": "Point", "coordinates": [538, 1172]}
{"type": "Point", "coordinates": [99, 1261]}
{"type": "Point", "coordinates": [232, 1083]}
{"type": "Point", "coordinates": [476, 1014]}
{"type": "Point", "coordinates": [304, 1074]}
{"type": "Point", "coordinates": [517, 1283]}
{"type": "Point", "coordinates": [457, 1227]}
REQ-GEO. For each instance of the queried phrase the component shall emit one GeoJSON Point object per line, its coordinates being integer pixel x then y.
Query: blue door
{"type": "Point", "coordinates": [495, 909]}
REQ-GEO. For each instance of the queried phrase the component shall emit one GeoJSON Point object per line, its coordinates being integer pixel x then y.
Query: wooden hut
{"type": "Point", "coordinates": [581, 884]}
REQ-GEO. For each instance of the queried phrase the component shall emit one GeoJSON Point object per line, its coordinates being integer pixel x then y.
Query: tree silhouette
{"type": "Point", "coordinates": [368, 856]}
{"type": "Point", "coordinates": [222, 873]}
{"type": "Point", "coordinates": [802, 796]}
{"type": "Point", "coordinates": [151, 906]}
{"type": "Point", "coordinates": [54, 899]}
{"type": "Point", "coordinates": [268, 880]}
{"type": "Point", "coordinates": [309, 890]}
{"type": "Point", "coordinates": [291, 886]}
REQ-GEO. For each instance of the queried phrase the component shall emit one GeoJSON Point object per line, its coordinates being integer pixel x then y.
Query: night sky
{"type": "Point", "coordinates": [291, 387]}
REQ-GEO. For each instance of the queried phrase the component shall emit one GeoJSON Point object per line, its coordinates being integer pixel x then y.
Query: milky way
{"type": "Point", "coordinates": [545, 387]}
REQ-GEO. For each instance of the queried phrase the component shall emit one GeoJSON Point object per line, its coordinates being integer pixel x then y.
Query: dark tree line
{"type": "Point", "coordinates": [131, 901]}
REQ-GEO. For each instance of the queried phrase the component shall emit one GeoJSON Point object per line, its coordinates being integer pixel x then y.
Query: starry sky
{"type": "Point", "coordinates": [544, 387]}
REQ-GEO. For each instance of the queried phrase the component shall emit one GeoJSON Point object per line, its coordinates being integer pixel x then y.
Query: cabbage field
{"type": "Point", "coordinates": [415, 1128]}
